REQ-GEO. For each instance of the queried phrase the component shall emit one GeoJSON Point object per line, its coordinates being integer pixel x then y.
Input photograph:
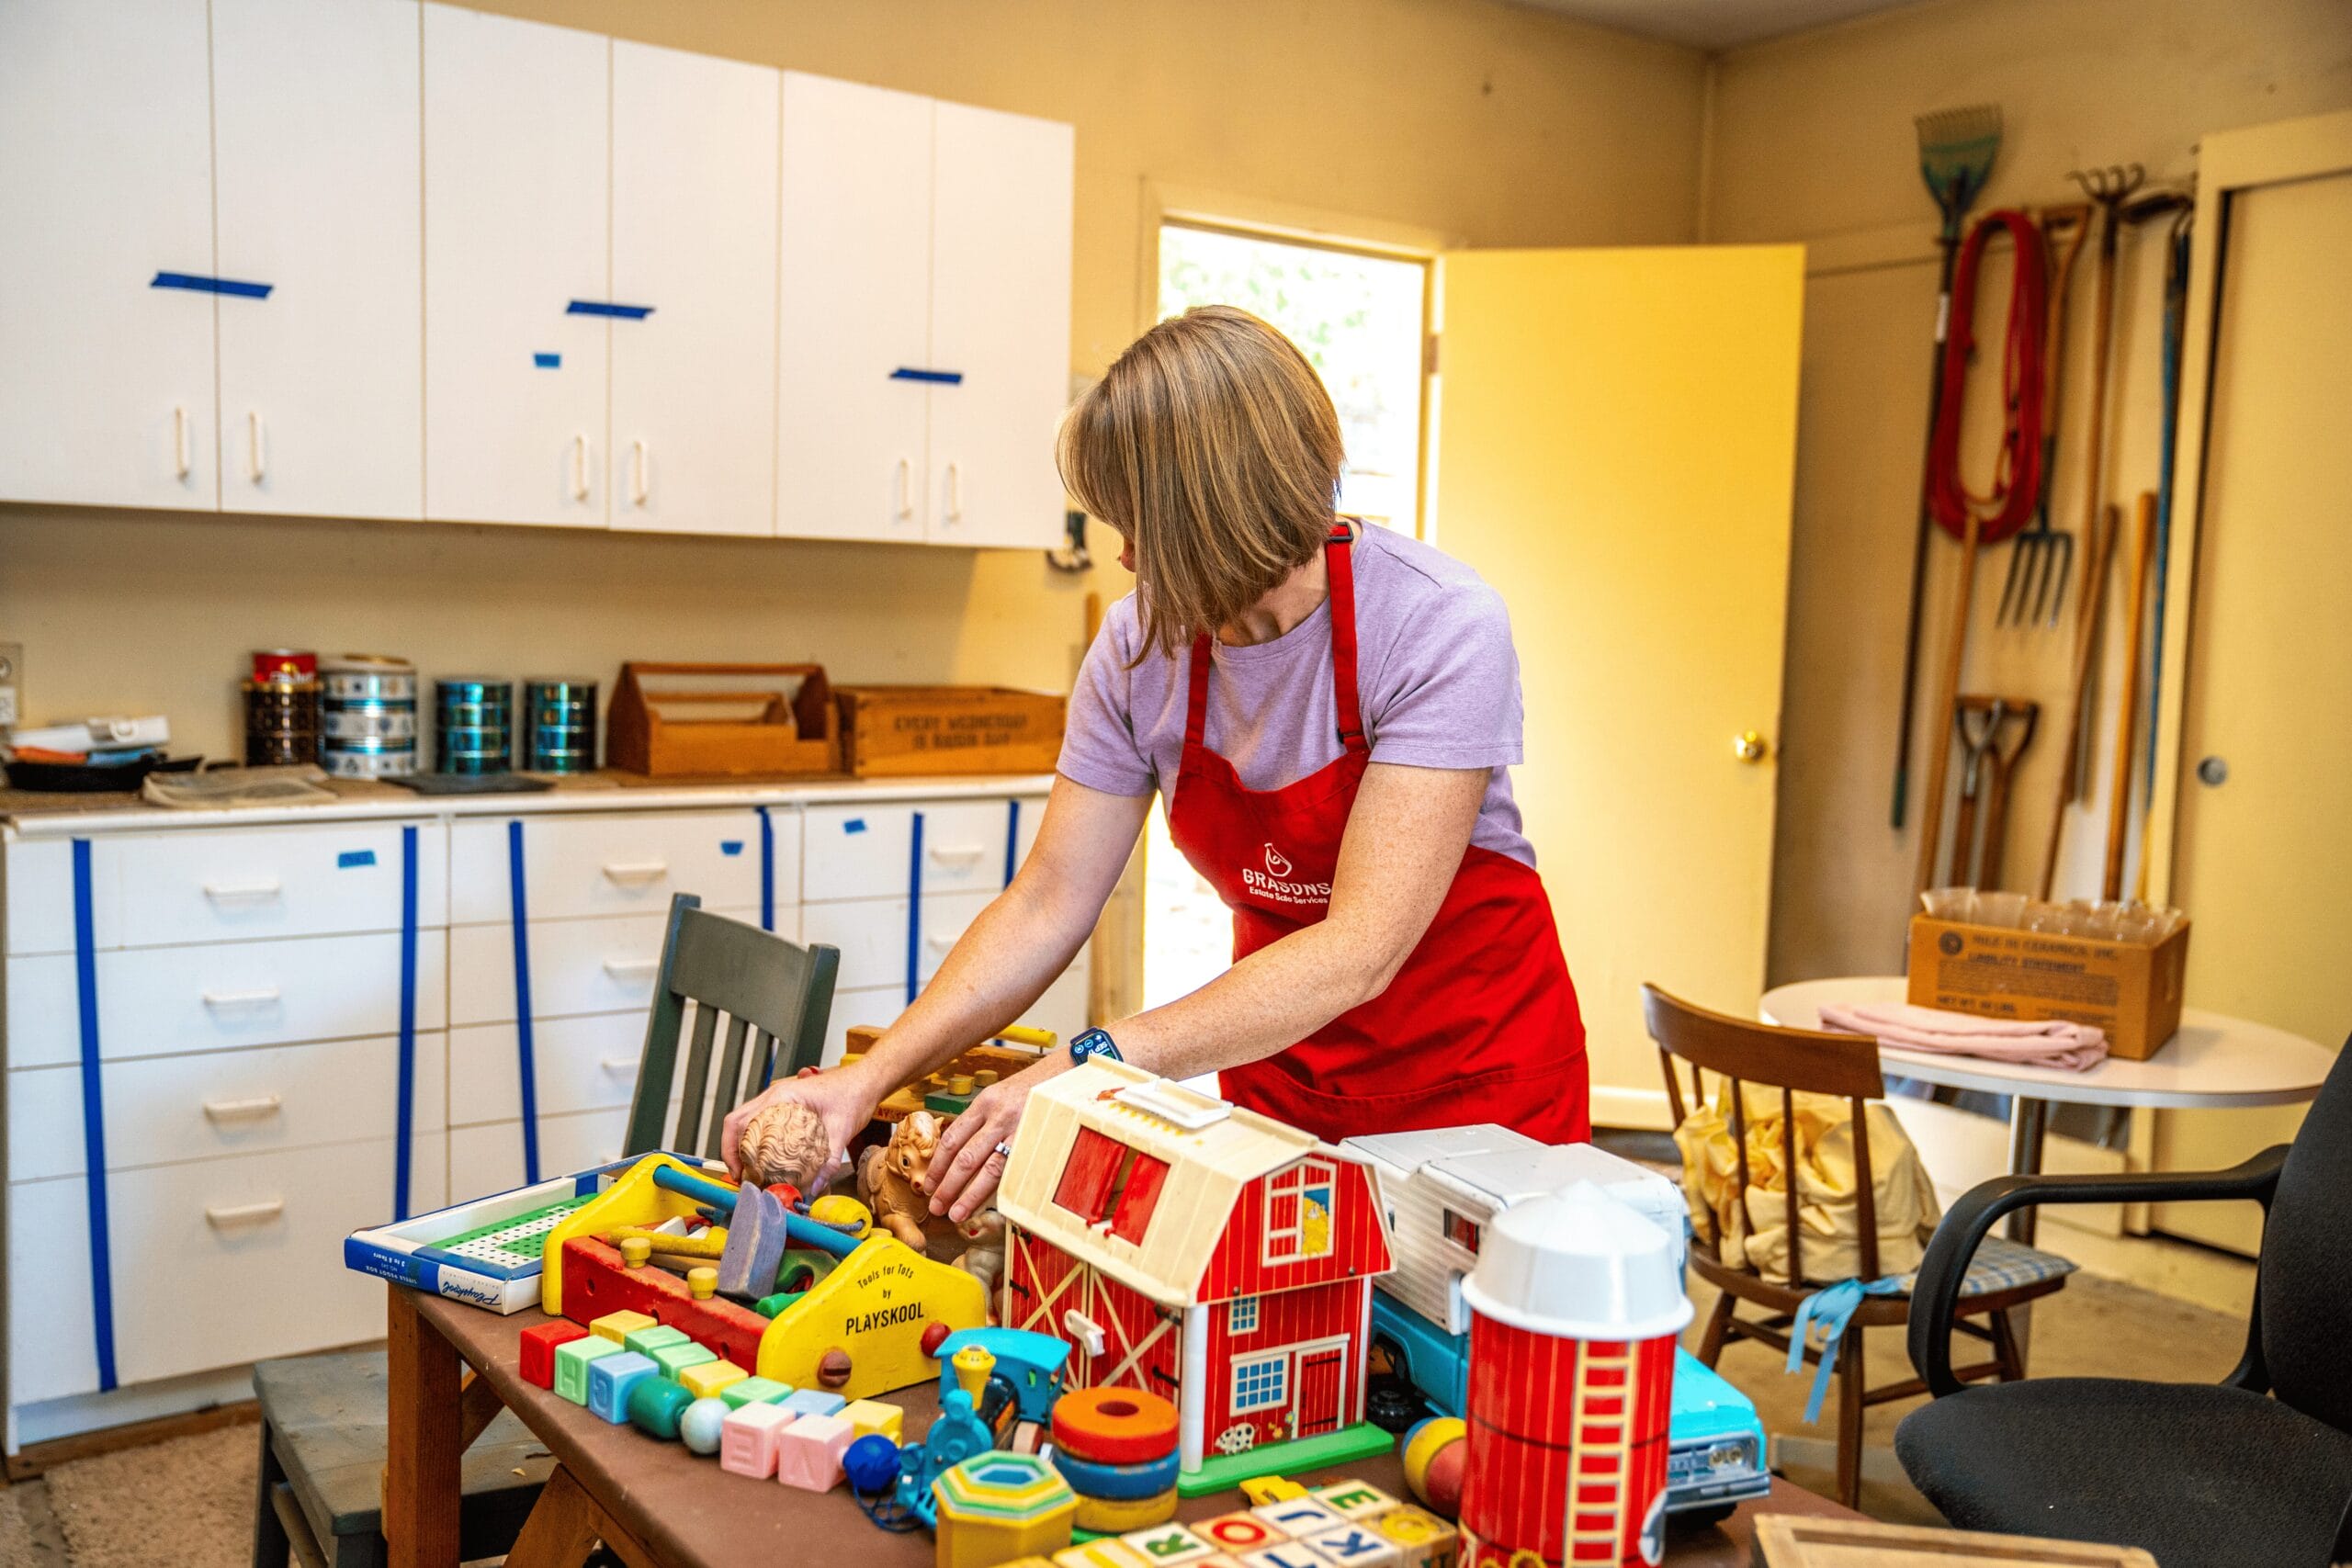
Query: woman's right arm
{"type": "Point", "coordinates": [1003, 964]}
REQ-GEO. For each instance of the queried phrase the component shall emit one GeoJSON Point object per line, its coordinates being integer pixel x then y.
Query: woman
{"type": "Point", "coordinates": [1331, 711]}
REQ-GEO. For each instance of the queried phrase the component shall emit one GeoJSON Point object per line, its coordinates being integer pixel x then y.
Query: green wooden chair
{"type": "Point", "coordinates": [323, 1416]}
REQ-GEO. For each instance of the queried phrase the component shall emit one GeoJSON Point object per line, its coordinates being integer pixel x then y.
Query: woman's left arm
{"type": "Point", "coordinates": [1406, 837]}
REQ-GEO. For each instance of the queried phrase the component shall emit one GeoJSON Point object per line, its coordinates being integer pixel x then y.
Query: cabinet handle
{"type": "Point", "coordinates": [906, 489]}
{"type": "Point", "coordinates": [941, 943]}
{"type": "Point", "coordinates": [266, 997]}
{"type": "Point", "coordinates": [637, 873]}
{"type": "Point", "coordinates": [955, 492]}
{"type": "Point", "coordinates": [618, 1063]}
{"type": "Point", "coordinates": [243, 892]}
{"type": "Point", "coordinates": [254, 444]}
{"type": "Point", "coordinates": [244, 1214]}
{"type": "Point", "coordinates": [958, 854]}
{"type": "Point", "coordinates": [242, 1109]}
{"type": "Point", "coordinates": [579, 468]}
{"type": "Point", "coordinates": [179, 440]}
{"type": "Point", "coordinates": [631, 968]}
{"type": "Point", "coordinates": [639, 485]}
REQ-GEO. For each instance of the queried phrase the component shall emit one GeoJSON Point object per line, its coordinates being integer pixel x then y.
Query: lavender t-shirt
{"type": "Point", "coordinates": [1437, 681]}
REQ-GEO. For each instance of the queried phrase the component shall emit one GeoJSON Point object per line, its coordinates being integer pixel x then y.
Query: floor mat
{"type": "Point", "coordinates": [188, 1502]}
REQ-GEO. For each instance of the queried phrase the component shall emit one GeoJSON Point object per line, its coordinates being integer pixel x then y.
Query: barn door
{"type": "Point", "coordinates": [1615, 449]}
{"type": "Point", "coordinates": [1321, 1379]}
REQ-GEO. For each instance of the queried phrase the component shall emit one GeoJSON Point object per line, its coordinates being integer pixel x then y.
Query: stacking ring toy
{"type": "Point", "coordinates": [1116, 1483]}
{"type": "Point", "coordinates": [1105, 1517]}
{"type": "Point", "coordinates": [1115, 1425]}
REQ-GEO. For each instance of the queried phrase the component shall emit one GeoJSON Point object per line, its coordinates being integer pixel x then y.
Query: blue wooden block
{"type": "Point", "coordinates": [609, 1378]}
{"type": "Point", "coordinates": [812, 1402]}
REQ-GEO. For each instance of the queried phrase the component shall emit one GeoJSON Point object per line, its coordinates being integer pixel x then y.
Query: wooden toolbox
{"type": "Point", "coordinates": [781, 723]}
{"type": "Point", "coordinates": [890, 731]}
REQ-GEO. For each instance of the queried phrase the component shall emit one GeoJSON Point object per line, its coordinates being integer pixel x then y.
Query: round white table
{"type": "Point", "coordinates": [2215, 1062]}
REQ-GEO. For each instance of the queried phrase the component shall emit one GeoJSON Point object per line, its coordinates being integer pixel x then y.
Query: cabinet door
{"type": "Point", "coordinates": [999, 315]}
{"type": "Point", "coordinates": [694, 236]}
{"type": "Point", "coordinates": [854, 305]}
{"type": "Point", "coordinates": [314, 128]}
{"type": "Point", "coordinates": [106, 397]}
{"type": "Point", "coordinates": [516, 181]}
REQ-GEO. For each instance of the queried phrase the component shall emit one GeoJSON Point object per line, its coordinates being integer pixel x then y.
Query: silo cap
{"type": "Point", "coordinates": [1578, 1263]}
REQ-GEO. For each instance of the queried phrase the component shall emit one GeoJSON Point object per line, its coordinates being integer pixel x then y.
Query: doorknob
{"type": "Point", "coordinates": [1749, 746]}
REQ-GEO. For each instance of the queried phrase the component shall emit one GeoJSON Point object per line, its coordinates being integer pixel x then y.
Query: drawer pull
{"type": "Point", "coordinates": [244, 1214]}
{"type": "Point", "coordinates": [959, 854]}
{"type": "Point", "coordinates": [637, 875]}
{"type": "Point", "coordinates": [243, 892]}
{"type": "Point", "coordinates": [941, 943]}
{"type": "Point", "coordinates": [618, 1063]}
{"type": "Point", "coordinates": [631, 968]}
{"type": "Point", "coordinates": [266, 997]}
{"type": "Point", "coordinates": [242, 1109]}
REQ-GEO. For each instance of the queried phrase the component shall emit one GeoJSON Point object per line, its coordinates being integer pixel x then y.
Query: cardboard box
{"type": "Point", "coordinates": [2128, 990]}
{"type": "Point", "coordinates": [894, 731]}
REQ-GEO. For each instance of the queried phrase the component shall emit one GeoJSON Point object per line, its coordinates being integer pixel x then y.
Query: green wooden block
{"type": "Point", "coordinates": [675, 1358]}
{"type": "Point", "coordinates": [945, 1104]}
{"type": "Point", "coordinates": [571, 1359]}
{"type": "Point", "coordinates": [645, 1342]}
{"type": "Point", "coordinates": [754, 1390]}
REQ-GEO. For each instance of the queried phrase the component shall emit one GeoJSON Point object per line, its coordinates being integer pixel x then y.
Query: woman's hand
{"type": "Point", "coordinates": [967, 1167]}
{"type": "Point", "coordinates": [842, 1099]}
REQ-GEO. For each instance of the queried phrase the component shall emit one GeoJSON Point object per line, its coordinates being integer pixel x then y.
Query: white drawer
{"type": "Point", "coordinates": [577, 967]}
{"type": "Point", "coordinates": [484, 1160]}
{"type": "Point", "coordinates": [235, 884]}
{"type": "Point", "coordinates": [619, 864]}
{"type": "Point", "coordinates": [1062, 1010]}
{"type": "Point", "coordinates": [872, 934]}
{"type": "Point", "coordinates": [162, 1002]}
{"type": "Point", "coordinates": [577, 1063]}
{"type": "Point", "coordinates": [160, 1109]}
{"type": "Point", "coordinates": [866, 851]}
{"type": "Point", "coordinates": [40, 888]}
{"type": "Point", "coordinates": [264, 1276]}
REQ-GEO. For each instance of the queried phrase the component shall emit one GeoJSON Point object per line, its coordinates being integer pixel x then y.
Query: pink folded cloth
{"type": "Point", "coordinates": [2039, 1043]}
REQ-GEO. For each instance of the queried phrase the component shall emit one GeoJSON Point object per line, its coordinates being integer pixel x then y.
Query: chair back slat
{"type": "Point", "coordinates": [1789, 1182]}
{"type": "Point", "coordinates": [694, 1087]}
{"type": "Point", "coordinates": [729, 1081]}
{"type": "Point", "coordinates": [1866, 1197]}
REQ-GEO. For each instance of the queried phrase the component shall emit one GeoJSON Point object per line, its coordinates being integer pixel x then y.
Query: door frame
{"type": "Point", "coordinates": [2228, 163]}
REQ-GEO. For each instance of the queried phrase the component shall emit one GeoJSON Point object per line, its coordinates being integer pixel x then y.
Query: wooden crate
{"type": "Point", "coordinates": [892, 731]}
{"type": "Point", "coordinates": [795, 731]}
{"type": "Point", "coordinates": [1788, 1540]}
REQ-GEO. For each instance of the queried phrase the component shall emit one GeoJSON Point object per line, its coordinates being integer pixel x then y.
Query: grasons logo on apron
{"type": "Point", "coordinates": [1274, 883]}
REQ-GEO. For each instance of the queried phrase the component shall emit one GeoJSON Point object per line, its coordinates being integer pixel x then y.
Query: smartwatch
{"type": "Point", "coordinates": [1094, 1042]}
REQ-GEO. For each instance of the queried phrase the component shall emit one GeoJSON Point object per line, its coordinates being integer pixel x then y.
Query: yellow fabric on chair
{"type": "Point", "coordinates": [1827, 1209]}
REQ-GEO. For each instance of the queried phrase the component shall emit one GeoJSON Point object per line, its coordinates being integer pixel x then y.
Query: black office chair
{"type": "Point", "coordinates": [2253, 1472]}
{"type": "Point", "coordinates": [323, 1416]}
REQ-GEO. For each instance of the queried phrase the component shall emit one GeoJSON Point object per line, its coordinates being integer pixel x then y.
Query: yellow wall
{"type": "Point", "coordinates": [1493, 124]}
{"type": "Point", "coordinates": [1812, 139]}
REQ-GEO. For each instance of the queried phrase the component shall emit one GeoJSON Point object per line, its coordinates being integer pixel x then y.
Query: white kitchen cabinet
{"type": "Point", "coordinates": [999, 315]}
{"type": "Point", "coordinates": [314, 129]}
{"type": "Point", "coordinates": [852, 419]}
{"type": "Point", "coordinates": [693, 445]}
{"type": "Point", "coordinates": [516, 275]}
{"type": "Point", "coordinates": [107, 392]}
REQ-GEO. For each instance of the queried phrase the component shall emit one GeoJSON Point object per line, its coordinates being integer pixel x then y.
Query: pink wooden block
{"type": "Point", "coordinates": [808, 1452]}
{"type": "Point", "coordinates": [747, 1440]}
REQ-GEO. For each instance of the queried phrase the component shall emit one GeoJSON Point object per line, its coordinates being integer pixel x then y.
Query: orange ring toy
{"type": "Point", "coordinates": [1115, 1425]}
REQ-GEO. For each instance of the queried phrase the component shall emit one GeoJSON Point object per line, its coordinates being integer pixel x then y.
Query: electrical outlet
{"type": "Point", "coordinates": [12, 682]}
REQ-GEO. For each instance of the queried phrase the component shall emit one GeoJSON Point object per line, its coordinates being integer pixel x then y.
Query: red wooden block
{"type": "Point", "coordinates": [539, 1341]}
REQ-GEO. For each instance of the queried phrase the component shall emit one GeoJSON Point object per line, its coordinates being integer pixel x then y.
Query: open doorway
{"type": "Point", "coordinates": [1360, 316]}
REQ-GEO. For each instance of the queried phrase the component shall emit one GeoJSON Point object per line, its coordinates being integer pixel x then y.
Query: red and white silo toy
{"type": "Point", "coordinates": [1574, 1305]}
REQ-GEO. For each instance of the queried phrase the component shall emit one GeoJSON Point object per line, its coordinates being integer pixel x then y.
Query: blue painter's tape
{"type": "Point", "coordinates": [606, 307]}
{"type": "Point", "coordinates": [200, 284]}
{"type": "Point", "coordinates": [854, 824]}
{"type": "Point", "coordinates": [93, 1117]}
{"type": "Point", "coordinates": [730, 846]}
{"type": "Point", "coordinates": [767, 870]}
{"type": "Point", "coordinates": [914, 913]}
{"type": "Point", "coordinates": [350, 857]}
{"type": "Point", "coordinates": [1012, 840]}
{"type": "Point", "coordinates": [909, 373]}
{"type": "Point", "coordinates": [523, 1071]}
{"type": "Point", "coordinates": [406, 1116]}
{"type": "Point", "coordinates": [548, 361]}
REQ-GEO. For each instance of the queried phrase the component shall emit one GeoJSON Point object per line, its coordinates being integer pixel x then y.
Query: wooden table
{"type": "Point", "coordinates": [658, 1506]}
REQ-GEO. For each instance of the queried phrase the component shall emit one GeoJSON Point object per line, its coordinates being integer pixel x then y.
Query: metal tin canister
{"type": "Point", "coordinates": [559, 716]}
{"type": "Point", "coordinates": [368, 677]}
{"type": "Point", "coordinates": [281, 720]}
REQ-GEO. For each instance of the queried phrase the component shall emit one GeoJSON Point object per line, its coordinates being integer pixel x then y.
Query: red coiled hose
{"type": "Point", "coordinates": [2008, 506]}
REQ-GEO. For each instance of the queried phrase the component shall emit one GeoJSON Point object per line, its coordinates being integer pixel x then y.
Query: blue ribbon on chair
{"type": "Point", "coordinates": [1830, 1309]}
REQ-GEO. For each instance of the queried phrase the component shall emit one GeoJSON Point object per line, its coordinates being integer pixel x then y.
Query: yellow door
{"type": "Point", "coordinates": [1615, 440]}
{"type": "Point", "coordinates": [2264, 858]}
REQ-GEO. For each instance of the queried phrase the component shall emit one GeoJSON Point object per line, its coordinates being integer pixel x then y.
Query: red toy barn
{"type": "Point", "coordinates": [1209, 1254]}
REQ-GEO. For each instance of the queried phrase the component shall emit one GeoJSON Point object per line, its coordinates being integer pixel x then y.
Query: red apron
{"type": "Point", "coordinates": [1481, 1023]}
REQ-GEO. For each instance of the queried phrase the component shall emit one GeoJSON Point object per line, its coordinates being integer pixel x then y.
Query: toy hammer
{"type": "Point", "coordinates": [756, 1235]}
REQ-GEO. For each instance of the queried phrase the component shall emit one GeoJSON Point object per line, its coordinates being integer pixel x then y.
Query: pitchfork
{"type": "Point", "coordinates": [2040, 558]}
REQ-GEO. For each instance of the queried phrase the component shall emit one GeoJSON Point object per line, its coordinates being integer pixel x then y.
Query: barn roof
{"type": "Point", "coordinates": [1214, 1150]}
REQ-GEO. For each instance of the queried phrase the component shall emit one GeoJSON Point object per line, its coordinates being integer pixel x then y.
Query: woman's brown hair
{"type": "Point", "coordinates": [1211, 444]}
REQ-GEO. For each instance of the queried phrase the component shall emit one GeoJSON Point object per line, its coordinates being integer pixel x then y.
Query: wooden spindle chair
{"type": "Point", "coordinates": [1802, 1061]}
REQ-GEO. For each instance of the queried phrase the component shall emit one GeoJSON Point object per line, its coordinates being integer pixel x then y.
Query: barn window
{"type": "Point", "coordinates": [1462, 1232]}
{"type": "Point", "coordinates": [1299, 1210]}
{"type": "Point", "coordinates": [1241, 1315]}
{"type": "Point", "coordinates": [1110, 1184]}
{"type": "Point", "coordinates": [1261, 1383]}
